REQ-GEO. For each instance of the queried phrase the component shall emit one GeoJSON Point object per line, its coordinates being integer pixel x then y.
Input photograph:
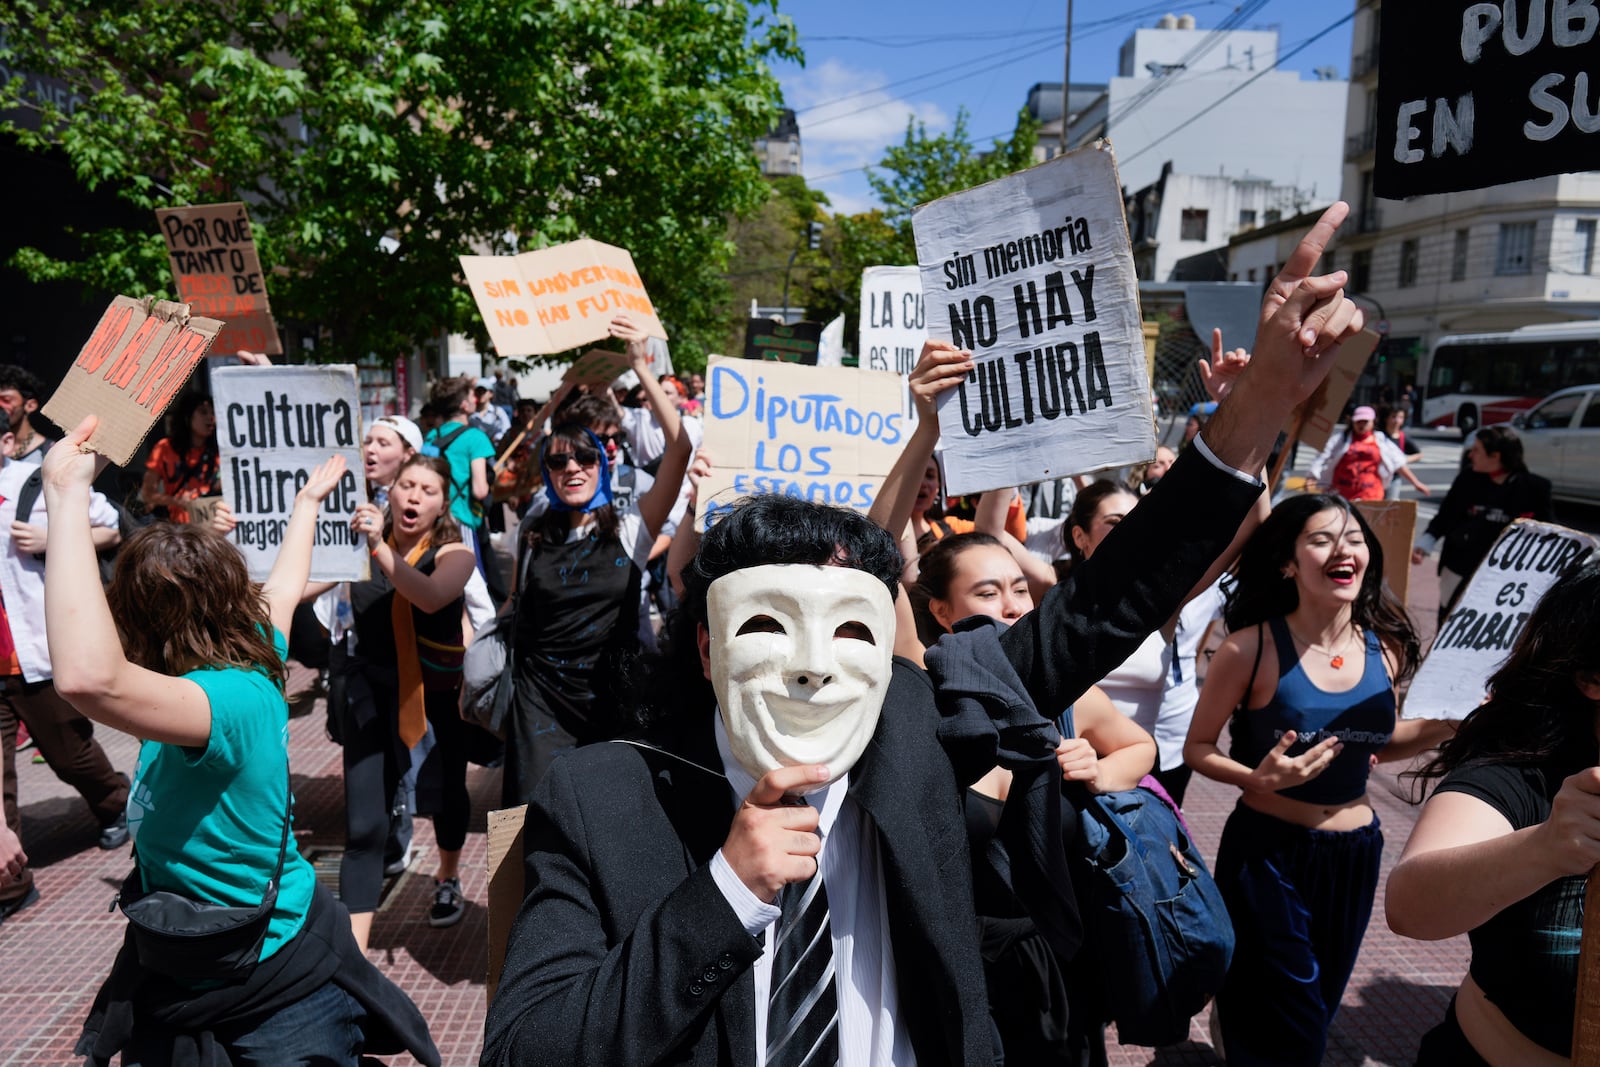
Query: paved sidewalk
{"type": "Point", "coordinates": [54, 955]}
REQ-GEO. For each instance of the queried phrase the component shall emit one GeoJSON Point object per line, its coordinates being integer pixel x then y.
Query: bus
{"type": "Point", "coordinates": [1478, 379]}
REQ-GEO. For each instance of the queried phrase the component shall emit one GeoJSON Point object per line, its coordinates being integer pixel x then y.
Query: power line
{"type": "Point", "coordinates": [1244, 84]}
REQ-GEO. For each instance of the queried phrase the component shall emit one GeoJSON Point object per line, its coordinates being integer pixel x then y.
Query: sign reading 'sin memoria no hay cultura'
{"type": "Point", "coordinates": [137, 360]}
{"type": "Point", "coordinates": [1033, 274]}
{"type": "Point", "coordinates": [1526, 560]}
{"type": "Point", "coordinates": [275, 425]}
{"type": "Point", "coordinates": [558, 298]}
{"type": "Point", "coordinates": [214, 262]}
{"type": "Point", "coordinates": [1471, 95]}
{"type": "Point", "coordinates": [824, 434]}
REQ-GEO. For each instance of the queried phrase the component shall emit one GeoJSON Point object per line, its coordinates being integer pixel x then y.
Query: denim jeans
{"type": "Point", "coordinates": [321, 1030]}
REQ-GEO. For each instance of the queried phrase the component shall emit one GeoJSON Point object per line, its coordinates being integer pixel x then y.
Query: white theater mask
{"type": "Point", "coordinates": [800, 658]}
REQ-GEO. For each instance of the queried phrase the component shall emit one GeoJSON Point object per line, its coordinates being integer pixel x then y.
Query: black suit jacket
{"type": "Point", "coordinates": [625, 951]}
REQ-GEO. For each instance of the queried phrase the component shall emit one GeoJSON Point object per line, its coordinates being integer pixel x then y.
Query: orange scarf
{"type": "Point", "coordinates": [413, 709]}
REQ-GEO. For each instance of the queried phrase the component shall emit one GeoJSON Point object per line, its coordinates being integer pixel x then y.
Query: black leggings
{"type": "Point", "coordinates": [374, 760]}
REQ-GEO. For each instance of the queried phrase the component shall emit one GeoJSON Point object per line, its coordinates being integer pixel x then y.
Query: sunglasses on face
{"type": "Point", "coordinates": [582, 454]}
{"type": "Point", "coordinates": [617, 438]}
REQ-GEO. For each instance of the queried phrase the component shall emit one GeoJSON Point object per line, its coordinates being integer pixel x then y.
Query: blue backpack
{"type": "Point", "coordinates": [1153, 919]}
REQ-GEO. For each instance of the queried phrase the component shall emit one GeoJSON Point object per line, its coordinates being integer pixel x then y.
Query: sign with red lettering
{"type": "Point", "coordinates": [1033, 274]}
{"type": "Point", "coordinates": [134, 364]}
{"type": "Point", "coordinates": [219, 275]}
{"type": "Point", "coordinates": [557, 298]}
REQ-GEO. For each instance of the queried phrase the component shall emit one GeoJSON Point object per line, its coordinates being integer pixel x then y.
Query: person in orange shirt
{"type": "Point", "coordinates": [183, 465]}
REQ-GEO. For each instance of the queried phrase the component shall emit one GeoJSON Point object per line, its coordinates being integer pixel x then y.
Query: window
{"type": "Point", "coordinates": [1516, 248]}
{"type": "Point", "coordinates": [1192, 225]}
{"type": "Point", "coordinates": [1555, 414]}
{"type": "Point", "coordinates": [1247, 217]}
{"type": "Point", "coordinates": [1458, 256]}
{"type": "Point", "coordinates": [1250, 275]}
{"type": "Point", "coordinates": [1591, 414]}
{"type": "Point", "coordinates": [1274, 215]}
{"type": "Point", "coordinates": [1409, 253]}
{"type": "Point", "coordinates": [1583, 247]}
{"type": "Point", "coordinates": [1361, 271]}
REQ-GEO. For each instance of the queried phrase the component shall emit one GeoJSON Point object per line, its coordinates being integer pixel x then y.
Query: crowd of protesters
{"type": "Point", "coordinates": [666, 874]}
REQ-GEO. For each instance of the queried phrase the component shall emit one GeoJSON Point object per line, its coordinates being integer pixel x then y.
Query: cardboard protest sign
{"type": "Point", "coordinates": [597, 368]}
{"type": "Point", "coordinates": [1395, 523]}
{"type": "Point", "coordinates": [826, 434]}
{"type": "Point", "coordinates": [219, 274]}
{"type": "Point", "coordinates": [274, 426]}
{"type": "Point", "coordinates": [1471, 95]}
{"type": "Point", "coordinates": [137, 360]}
{"type": "Point", "coordinates": [1323, 407]}
{"type": "Point", "coordinates": [782, 342]}
{"type": "Point", "coordinates": [1033, 274]}
{"type": "Point", "coordinates": [893, 321]}
{"type": "Point", "coordinates": [557, 298]}
{"type": "Point", "coordinates": [1526, 560]}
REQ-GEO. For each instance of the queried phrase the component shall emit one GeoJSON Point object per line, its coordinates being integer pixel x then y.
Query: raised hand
{"type": "Point", "coordinates": [71, 463]}
{"type": "Point", "coordinates": [624, 328]}
{"type": "Point", "coordinates": [323, 480]}
{"type": "Point", "coordinates": [1278, 770]}
{"type": "Point", "coordinates": [773, 839]}
{"type": "Point", "coordinates": [368, 520]}
{"type": "Point", "coordinates": [941, 367]}
{"type": "Point", "coordinates": [1305, 317]}
{"type": "Point", "coordinates": [1219, 372]}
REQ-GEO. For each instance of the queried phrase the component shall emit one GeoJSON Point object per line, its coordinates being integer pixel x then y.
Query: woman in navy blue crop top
{"type": "Point", "coordinates": [1308, 677]}
{"type": "Point", "coordinates": [1502, 847]}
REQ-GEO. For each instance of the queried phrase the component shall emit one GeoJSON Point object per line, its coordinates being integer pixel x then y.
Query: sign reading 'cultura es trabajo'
{"type": "Point", "coordinates": [1471, 95]}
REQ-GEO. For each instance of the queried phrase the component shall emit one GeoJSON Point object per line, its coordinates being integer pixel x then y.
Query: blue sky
{"type": "Point", "coordinates": [871, 64]}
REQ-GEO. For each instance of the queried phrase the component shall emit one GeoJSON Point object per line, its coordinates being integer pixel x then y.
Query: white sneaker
{"type": "Point", "coordinates": [400, 865]}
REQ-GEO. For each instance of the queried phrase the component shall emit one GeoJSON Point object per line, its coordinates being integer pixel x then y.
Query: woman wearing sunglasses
{"type": "Point", "coordinates": [578, 572]}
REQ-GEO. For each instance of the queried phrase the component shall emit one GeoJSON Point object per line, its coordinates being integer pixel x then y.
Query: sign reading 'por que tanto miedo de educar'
{"type": "Point", "coordinates": [275, 425]}
{"type": "Point", "coordinates": [1525, 561]}
{"type": "Point", "coordinates": [1471, 95]}
{"type": "Point", "coordinates": [1033, 275]}
{"type": "Point", "coordinates": [214, 262]}
{"type": "Point", "coordinates": [558, 298]}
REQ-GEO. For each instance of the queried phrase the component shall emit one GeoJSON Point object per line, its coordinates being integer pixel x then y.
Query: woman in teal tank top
{"type": "Point", "coordinates": [1308, 676]}
{"type": "Point", "coordinates": [186, 653]}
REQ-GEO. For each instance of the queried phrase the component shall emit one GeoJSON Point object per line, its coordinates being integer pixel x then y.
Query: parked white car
{"type": "Point", "coordinates": [1561, 441]}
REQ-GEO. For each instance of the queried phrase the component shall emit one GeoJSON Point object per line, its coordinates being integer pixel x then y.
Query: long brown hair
{"type": "Point", "coordinates": [445, 528]}
{"type": "Point", "coordinates": [182, 600]}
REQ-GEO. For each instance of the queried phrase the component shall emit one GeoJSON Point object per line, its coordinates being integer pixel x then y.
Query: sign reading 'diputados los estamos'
{"type": "Point", "coordinates": [137, 360]}
{"type": "Point", "coordinates": [275, 425]}
{"type": "Point", "coordinates": [558, 298]}
{"type": "Point", "coordinates": [1471, 95]}
{"type": "Point", "coordinates": [214, 261]}
{"type": "Point", "coordinates": [825, 434]}
{"type": "Point", "coordinates": [1525, 561]}
{"type": "Point", "coordinates": [1033, 274]}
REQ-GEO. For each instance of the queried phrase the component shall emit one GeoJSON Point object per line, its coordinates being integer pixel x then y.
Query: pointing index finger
{"type": "Point", "coordinates": [1303, 260]}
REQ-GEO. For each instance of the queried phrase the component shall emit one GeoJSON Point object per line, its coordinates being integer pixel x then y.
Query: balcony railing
{"type": "Point", "coordinates": [1364, 62]}
{"type": "Point", "coordinates": [1360, 144]}
{"type": "Point", "coordinates": [1369, 219]}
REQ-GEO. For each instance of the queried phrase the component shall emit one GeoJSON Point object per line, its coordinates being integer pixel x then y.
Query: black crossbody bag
{"type": "Point", "coordinates": [196, 941]}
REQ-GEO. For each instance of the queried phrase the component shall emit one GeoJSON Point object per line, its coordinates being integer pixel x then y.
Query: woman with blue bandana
{"type": "Point", "coordinates": [577, 575]}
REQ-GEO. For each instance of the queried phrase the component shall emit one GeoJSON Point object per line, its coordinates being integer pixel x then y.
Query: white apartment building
{"type": "Point", "coordinates": [1210, 102]}
{"type": "Point", "coordinates": [1468, 262]}
{"type": "Point", "coordinates": [1179, 217]}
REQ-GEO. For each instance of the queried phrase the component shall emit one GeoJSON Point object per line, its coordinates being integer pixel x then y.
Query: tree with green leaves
{"type": "Point", "coordinates": [376, 142]}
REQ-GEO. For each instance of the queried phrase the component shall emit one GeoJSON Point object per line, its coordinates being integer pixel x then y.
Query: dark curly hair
{"type": "Point", "coordinates": [1535, 710]}
{"type": "Point", "coordinates": [1260, 592]}
{"type": "Point", "coordinates": [759, 530]}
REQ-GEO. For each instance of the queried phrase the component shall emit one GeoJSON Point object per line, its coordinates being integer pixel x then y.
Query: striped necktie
{"type": "Point", "coordinates": [803, 1011]}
